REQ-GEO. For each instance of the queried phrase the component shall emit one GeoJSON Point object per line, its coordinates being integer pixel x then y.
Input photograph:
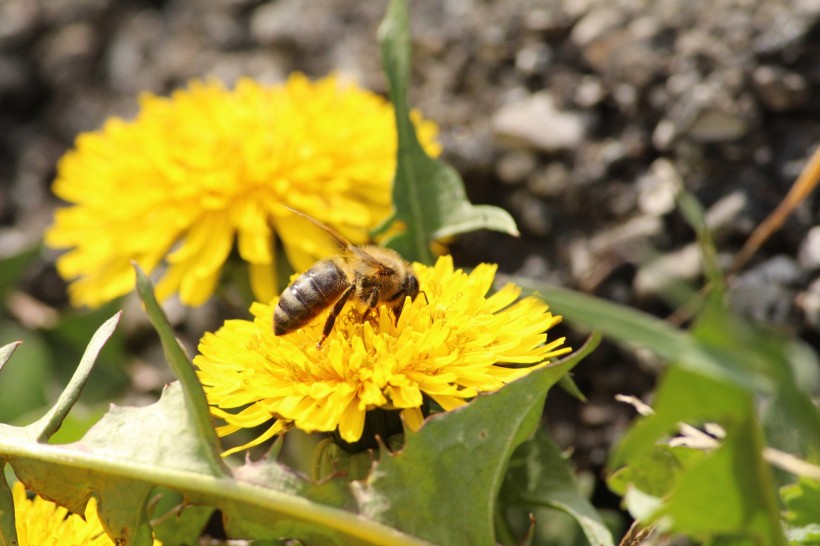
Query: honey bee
{"type": "Point", "coordinates": [370, 274]}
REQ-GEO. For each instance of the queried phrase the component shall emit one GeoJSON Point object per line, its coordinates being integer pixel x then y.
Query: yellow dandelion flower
{"type": "Point", "coordinates": [42, 523]}
{"type": "Point", "coordinates": [173, 188]}
{"type": "Point", "coordinates": [448, 346]}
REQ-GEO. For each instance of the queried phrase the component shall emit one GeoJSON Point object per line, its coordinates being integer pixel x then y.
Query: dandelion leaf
{"type": "Point", "coordinates": [539, 476]}
{"type": "Point", "coordinates": [721, 492]}
{"type": "Point", "coordinates": [130, 451]}
{"type": "Point", "coordinates": [428, 196]}
{"type": "Point", "coordinates": [802, 502]}
{"type": "Point", "coordinates": [196, 404]}
{"type": "Point", "coordinates": [6, 351]}
{"type": "Point", "coordinates": [8, 529]}
{"type": "Point", "coordinates": [458, 460]}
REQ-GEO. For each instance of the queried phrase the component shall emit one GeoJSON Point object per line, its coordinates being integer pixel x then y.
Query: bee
{"type": "Point", "coordinates": [370, 274]}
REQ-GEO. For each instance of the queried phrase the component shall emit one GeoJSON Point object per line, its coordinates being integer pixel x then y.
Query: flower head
{"type": "Point", "coordinates": [42, 523]}
{"type": "Point", "coordinates": [173, 188]}
{"type": "Point", "coordinates": [448, 345]}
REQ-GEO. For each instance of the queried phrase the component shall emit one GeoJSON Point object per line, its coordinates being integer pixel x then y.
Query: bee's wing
{"type": "Point", "coordinates": [343, 244]}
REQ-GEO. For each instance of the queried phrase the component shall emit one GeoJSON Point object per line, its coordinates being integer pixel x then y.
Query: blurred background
{"type": "Point", "coordinates": [580, 117]}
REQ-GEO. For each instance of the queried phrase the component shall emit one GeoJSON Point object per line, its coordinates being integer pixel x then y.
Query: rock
{"type": "Point", "coordinates": [779, 89]}
{"type": "Point", "coordinates": [809, 254]}
{"type": "Point", "coordinates": [592, 261]}
{"type": "Point", "coordinates": [809, 303]}
{"type": "Point", "coordinates": [18, 20]}
{"type": "Point", "coordinates": [534, 216]}
{"type": "Point", "coordinates": [780, 269]}
{"type": "Point", "coordinates": [714, 125]}
{"type": "Point", "coordinates": [551, 181]}
{"type": "Point", "coordinates": [724, 214]}
{"type": "Point", "coordinates": [595, 24]}
{"type": "Point", "coordinates": [658, 188]}
{"type": "Point", "coordinates": [765, 292]}
{"type": "Point", "coordinates": [657, 276]}
{"type": "Point", "coordinates": [664, 134]}
{"type": "Point", "coordinates": [515, 165]}
{"type": "Point", "coordinates": [589, 92]}
{"type": "Point", "coordinates": [533, 58]}
{"type": "Point", "coordinates": [536, 123]}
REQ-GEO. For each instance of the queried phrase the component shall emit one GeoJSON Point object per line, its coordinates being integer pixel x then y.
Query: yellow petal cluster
{"type": "Point", "coordinates": [203, 172]}
{"type": "Point", "coordinates": [42, 523]}
{"type": "Point", "coordinates": [451, 343]}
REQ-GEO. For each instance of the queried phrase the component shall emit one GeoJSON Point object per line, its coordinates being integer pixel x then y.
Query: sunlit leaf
{"type": "Point", "coordinates": [428, 196]}
{"type": "Point", "coordinates": [458, 460]}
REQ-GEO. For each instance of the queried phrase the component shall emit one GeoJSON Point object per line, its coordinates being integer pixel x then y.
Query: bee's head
{"type": "Point", "coordinates": [411, 285]}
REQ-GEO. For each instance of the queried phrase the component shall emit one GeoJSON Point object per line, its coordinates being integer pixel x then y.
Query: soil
{"type": "Point", "coordinates": [580, 117]}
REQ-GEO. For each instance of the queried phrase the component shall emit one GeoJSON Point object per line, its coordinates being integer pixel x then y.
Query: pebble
{"type": "Point", "coordinates": [514, 166]}
{"type": "Point", "coordinates": [714, 125]}
{"type": "Point", "coordinates": [809, 304]}
{"type": "Point", "coordinates": [658, 188]}
{"type": "Point", "coordinates": [536, 123]}
{"type": "Point", "coordinates": [658, 275]}
{"type": "Point", "coordinates": [780, 89]}
{"type": "Point", "coordinates": [725, 214]}
{"type": "Point", "coordinates": [809, 254]}
{"type": "Point", "coordinates": [551, 181]}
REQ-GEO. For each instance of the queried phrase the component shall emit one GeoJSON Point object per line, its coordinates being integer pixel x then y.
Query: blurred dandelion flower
{"type": "Point", "coordinates": [448, 347]}
{"type": "Point", "coordinates": [42, 523]}
{"type": "Point", "coordinates": [173, 188]}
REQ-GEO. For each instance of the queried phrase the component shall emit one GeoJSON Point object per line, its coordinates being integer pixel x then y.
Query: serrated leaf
{"type": "Point", "coordinates": [428, 196]}
{"type": "Point", "coordinates": [195, 400]}
{"type": "Point", "coordinates": [7, 350]}
{"type": "Point", "coordinates": [539, 476]}
{"type": "Point", "coordinates": [802, 500]}
{"type": "Point", "coordinates": [458, 460]}
{"type": "Point", "coordinates": [131, 450]}
{"type": "Point", "coordinates": [723, 491]}
{"type": "Point", "coordinates": [51, 421]}
{"type": "Point", "coordinates": [729, 492]}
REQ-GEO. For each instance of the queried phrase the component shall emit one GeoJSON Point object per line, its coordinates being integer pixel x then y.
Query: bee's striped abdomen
{"type": "Point", "coordinates": [312, 292]}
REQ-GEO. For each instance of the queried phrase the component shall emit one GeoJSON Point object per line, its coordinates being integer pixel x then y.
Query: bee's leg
{"type": "Point", "coordinates": [331, 318]}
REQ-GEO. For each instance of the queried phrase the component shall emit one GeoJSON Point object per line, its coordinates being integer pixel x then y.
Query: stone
{"type": "Point", "coordinates": [515, 165]}
{"type": "Point", "coordinates": [536, 123]}
{"type": "Point", "coordinates": [809, 254]}
{"type": "Point", "coordinates": [658, 188]}
{"type": "Point", "coordinates": [714, 125]}
{"type": "Point", "coordinates": [658, 275]}
{"type": "Point", "coordinates": [780, 89]}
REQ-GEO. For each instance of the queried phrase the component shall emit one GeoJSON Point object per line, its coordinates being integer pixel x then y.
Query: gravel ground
{"type": "Point", "coordinates": [578, 116]}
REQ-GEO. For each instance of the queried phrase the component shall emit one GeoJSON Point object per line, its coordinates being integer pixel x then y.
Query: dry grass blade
{"type": "Point", "coordinates": [801, 189]}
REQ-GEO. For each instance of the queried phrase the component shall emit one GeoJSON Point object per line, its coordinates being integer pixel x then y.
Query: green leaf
{"type": "Point", "coordinates": [6, 351]}
{"type": "Point", "coordinates": [718, 492]}
{"type": "Point", "coordinates": [694, 214]}
{"type": "Point", "coordinates": [428, 196]}
{"type": "Point", "coordinates": [174, 526]}
{"type": "Point", "coordinates": [458, 460]}
{"type": "Point", "coordinates": [539, 476]}
{"type": "Point", "coordinates": [130, 451]}
{"type": "Point", "coordinates": [638, 329]}
{"type": "Point", "coordinates": [729, 492]}
{"type": "Point", "coordinates": [195, 400]}
{"type": "Point", "coordinates": [8, 528]}
{"type": "Point", "coordinates": [51, 421]}
{"type": "Point", "coordinates": [802, 500]}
